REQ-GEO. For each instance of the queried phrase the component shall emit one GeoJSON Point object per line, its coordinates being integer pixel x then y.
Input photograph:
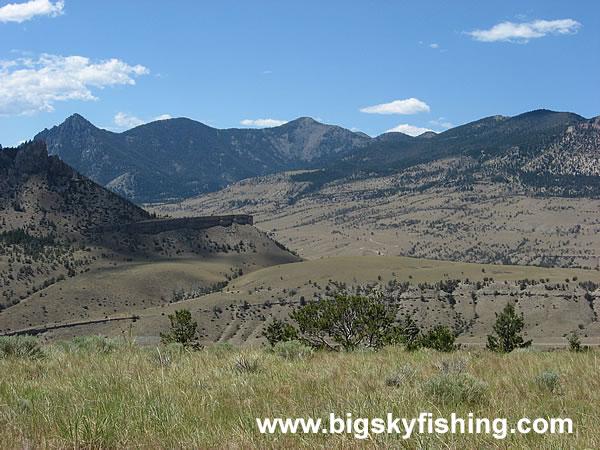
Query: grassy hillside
{"type": "Point", "coordinates": [94, 394]}
{"type": "Point", "coordinates": [552, 305]}
{"type": "Point", "coordinates": [159, 269]}
{"type": "Point", "coordinates": [408, 215]}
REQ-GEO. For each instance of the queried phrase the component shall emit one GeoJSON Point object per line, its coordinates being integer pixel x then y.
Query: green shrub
{"type": "Point", "coordinates": [574, 342]}
{"type": "Point", "coordinates": [548, 381]}
{"type": "Point", "coordinates": [347, 322]}
{"type": "Point", "coordinates": [507, 329]}
{"type": "Point", "coordinates": [20, 347]}
{"type": "Point", "coordinates": [439, 338]}
{"type": "Point", "coordinates": [182, 330]}
{"type": "Point", "coordinates": [278, 331]}
{"type": "Point", "coordinates": [456, 388]}
{"type": "Point", "coordinates": [410, 333]}
{"type": "Point", "coordinates": [91, 344]}
{"type": "Point", "coordinates": [292, 350]}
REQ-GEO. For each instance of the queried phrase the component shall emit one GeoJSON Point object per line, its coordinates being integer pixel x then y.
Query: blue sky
{"type": "Point", "coordinates": [407, 65]}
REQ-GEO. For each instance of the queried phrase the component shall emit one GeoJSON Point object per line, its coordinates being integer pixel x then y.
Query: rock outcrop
{"type": "Point", "coordinates": [32, 158]}
{"type": "Point", "coordinates": [163, 225]}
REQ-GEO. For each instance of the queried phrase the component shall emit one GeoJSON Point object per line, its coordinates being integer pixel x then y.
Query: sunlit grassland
{"type": "Point", "coordinates": [148, 397]}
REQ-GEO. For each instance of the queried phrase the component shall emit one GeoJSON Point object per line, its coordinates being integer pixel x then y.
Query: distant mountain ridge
{"type": "Point", "coordinates": [179, 158]}
{"type": "Point", "coordinates": [544, 152]}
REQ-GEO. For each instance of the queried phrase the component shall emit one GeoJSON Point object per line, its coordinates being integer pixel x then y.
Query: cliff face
{"type": "Point", "coordinates": [164, 225]}
{"type": "Point", "coordinates": [32, 159]}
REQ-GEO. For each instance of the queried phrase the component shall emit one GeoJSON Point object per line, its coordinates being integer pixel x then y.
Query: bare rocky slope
{"type": "Point", "coordinates": [408, 215]}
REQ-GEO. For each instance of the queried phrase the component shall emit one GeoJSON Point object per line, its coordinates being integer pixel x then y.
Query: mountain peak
{"type": "Point", "coordinates": [304, 121]}
{"type": "Point", "coordinates": [547, 114]}
{"type": "Point", "coordinates": [180, 158]}
{"type": "Point", "coordinates": [77, 119]}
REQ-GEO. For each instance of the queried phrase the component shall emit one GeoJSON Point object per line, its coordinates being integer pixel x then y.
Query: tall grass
{"type": "Point", "coordinates": [131, 397]}
{"type": "Point", "coordinates": [20, 347]}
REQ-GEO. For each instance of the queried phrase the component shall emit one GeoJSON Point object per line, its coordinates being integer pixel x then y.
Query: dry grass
{"type": "Point", "coordinates": [125, 283]}
{"type": "Point", "coordinates": [127, 398]}
{"type": "Point", "coordinates": [549, 314]}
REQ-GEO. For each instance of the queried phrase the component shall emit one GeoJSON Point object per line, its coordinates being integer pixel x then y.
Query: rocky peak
{"type": "Point", "coordinates": [77, 120]}
{"type": "Point", "coordinates": [73, 125]}
{"type": "Point", "coordinates": [303, 122]}
{"type": "Point", "coordinates": [32, 158]}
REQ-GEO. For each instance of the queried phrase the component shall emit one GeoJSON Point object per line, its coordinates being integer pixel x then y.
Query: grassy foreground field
{"type": "Point", "coordinates": [99, 395]}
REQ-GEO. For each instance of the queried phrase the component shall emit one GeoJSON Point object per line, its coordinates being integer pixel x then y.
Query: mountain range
{"type": "Point", "coordinates": [180, 158]}
{"type": "Point", "coordinates": [543, 152]}
{"type": "Point", "coordinates": [173, 159]}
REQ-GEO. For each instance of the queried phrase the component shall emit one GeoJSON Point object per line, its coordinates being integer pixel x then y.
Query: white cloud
{"type": "Point", "coordinates": [408, 106]}
{"type": "Point", "coordinates": [29, 86]}
{"type": "Point", "coordinates": [262, 122]}
{"type": "Point", "coordinates": [6, 64]}
{"type": "Point", "coordinates": [522, 32]}
{"type": "Point", "coordinates": [20, 12]}
{"type": "Point", "coordinates": [267, 72]}
{"type": "Point", "coordinates": [434, 45]}
{"type": "Point", "coordinates": [124, 120]}
{"type": "Point", "coordinates": [127, 121]}
{"type": "Point", "coordinates": [441, 122]}
{"type": "Point", "coordinates": [411, 130]}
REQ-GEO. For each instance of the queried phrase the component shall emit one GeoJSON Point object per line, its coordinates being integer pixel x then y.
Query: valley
{"type": "Point", "coordinates": [298, 225]}
{"type": "Point", "coordinates": [449, 227]}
